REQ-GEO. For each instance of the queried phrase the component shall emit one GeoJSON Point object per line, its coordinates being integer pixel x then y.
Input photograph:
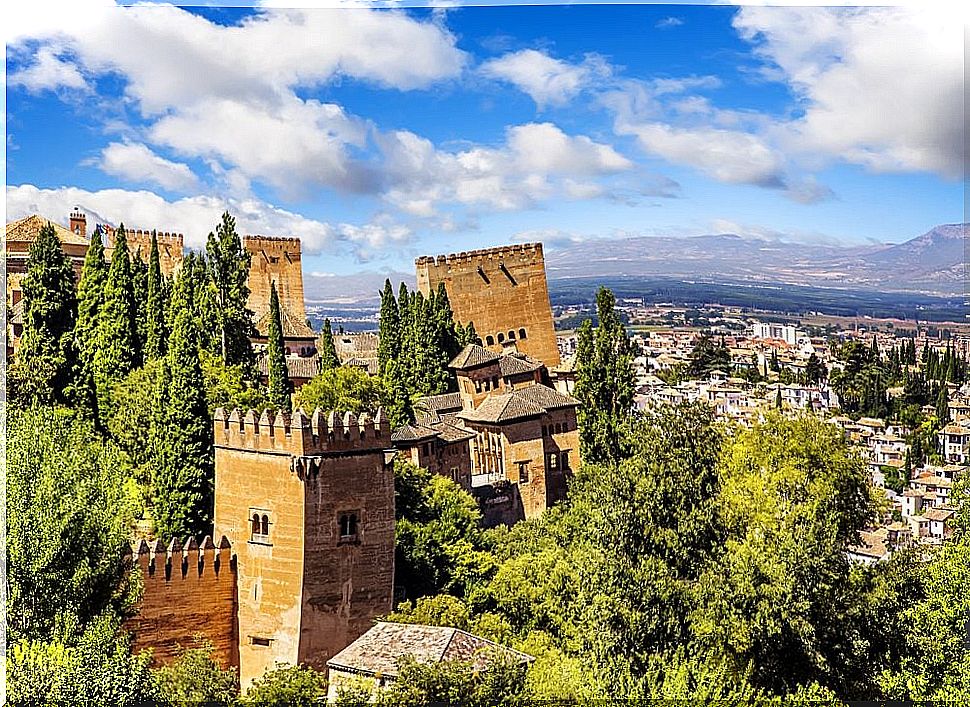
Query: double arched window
{"type": "Point", "coordinates": [260, 527]}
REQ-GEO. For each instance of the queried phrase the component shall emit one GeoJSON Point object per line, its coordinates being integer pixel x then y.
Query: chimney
{"type": "Point", "coordinates": [79, 222]}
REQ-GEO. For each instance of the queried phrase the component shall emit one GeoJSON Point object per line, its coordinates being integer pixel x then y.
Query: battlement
{"type": "Point", "coordinates": [300, 434]}
{"type": "Point", "coordinates": [178, 561]}
{"type": "Point", "coordinates": [522, 251]}
{"type": "Point", "coordinates": [271, 242]}
{"type": "Point", "coordinates": [164, 238]}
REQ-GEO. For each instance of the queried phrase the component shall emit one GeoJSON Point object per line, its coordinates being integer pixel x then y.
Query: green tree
{"type": "Point", "coordinates": [195, 677]}
{"type": "Point", "coordinates": [328, 351]}
{"type": "Point", "coordinates": [117, 350]}
{"type": "Point", "coordinates": [286, 686]}
{"type": "Point", "coordinates": [815, 371]}
{"type": "Point", "coordinates": [502, 681]}
{"type": "Point", "coordinates": [90, 296]}
{"type": "Point", "coordinates": [139, 284]}
{"type": "Point", "coordinates": [229, 267]}
{"type": "Point", "coordinates": [155, 306]}
{"type": "Point", "coordinates": [707, 357]}
{"type": "Point", "coordinates": [389, 335]}
{"type": "Point", "coordinates": [604, 382]}
{"type": "Point", "coordinates": [343, 389]}
{"type": "Point", "coordinates": [778, 602]}
{"type": "Point", "coordinates": [183, 483]}
{"type": "Point", "coordinates": [67, 525]}
{"type": "Point", "coordinates": [279, 378]}
{"type": "Point", "coordinates": [43, 369]}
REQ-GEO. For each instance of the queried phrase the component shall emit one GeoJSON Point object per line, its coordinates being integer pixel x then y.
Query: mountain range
{"type": "Point", "coordinates": [933, 264]}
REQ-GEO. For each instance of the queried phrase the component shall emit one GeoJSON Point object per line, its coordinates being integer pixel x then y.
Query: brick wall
{"type": "Point", "coordinates": [279, 261]}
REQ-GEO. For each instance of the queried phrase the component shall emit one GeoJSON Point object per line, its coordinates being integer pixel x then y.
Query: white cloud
{"type": "Point", "coordinates": [137, 163]}
{"type": "Point", "coordinates": [549, 81]}
{"type": "Point", "coordinates": [880, 87]}
{"type": "Point", "coordinates": [668, 22]}
{"type": "Point", "coordinates": [195, 216]}
{"type": "Point", "coordinates": [290, 144]}
{"type": "Point", "coordinates": [536, 161]}
{"type": "Point", "coordinates": [48, 72]}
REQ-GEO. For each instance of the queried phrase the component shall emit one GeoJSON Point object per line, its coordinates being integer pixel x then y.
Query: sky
{"type": "Point", "coordinates": [378, 135]}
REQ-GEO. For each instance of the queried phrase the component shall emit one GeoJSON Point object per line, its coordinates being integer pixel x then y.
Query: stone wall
{"type": "Point", "coordinates": [279, 261]}
{"type": "Point", "coordinates": [188, 592]}
{"type": "Point", "coordinates": [503, 291]}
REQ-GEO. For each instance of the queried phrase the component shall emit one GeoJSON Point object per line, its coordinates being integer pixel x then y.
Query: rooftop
{"type": "Point", "coordinates": [27, 229]}
{"type": "Point", "coordinates": [473, 356]}
{"type": "Point", "coordinates": [381, 647]}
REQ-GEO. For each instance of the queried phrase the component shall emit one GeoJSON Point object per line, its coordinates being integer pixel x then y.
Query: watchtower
{"type": "Point", "coordinates": [275, 261]}
{"type": "Point", "coordinates": [307, 502]}
{"type": "Point", "coordinates": [503, 291]}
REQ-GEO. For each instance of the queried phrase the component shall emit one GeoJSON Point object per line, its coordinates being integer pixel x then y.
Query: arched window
{"type": "Point", "coordinates": [489, 340]}
{"type": "Point", "coordinates": [522, 333]}
{"type": "Point", "coordinates": [256, 524]}
{"type": "Point", "coordinates": [511, 335]}
{"type": "Point", "coordinates": [501, 337]}
{"type": "Point", "coordinates": [265, 525]}
{"type": "Point", "coordinates": [348, 526]}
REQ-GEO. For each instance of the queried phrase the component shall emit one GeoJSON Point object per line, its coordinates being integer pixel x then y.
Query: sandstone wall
{"type": "Point", "coordinates": [279, 261]}
{"type": "Point", "coordinates": [187, 591]}
{"type": "Point", "coordinates": [503, 291]}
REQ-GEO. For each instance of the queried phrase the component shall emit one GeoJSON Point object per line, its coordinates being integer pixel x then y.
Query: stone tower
{"type": "Point", "coordinates": [275, 261]}
{"type": "Point", "coordinates": [503, 291]}
{"type": "Point", "coordinates": [307, 503]}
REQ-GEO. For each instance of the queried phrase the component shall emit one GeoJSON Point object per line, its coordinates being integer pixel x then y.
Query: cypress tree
{"type": "Point", "coordinates": [155, 308]}
{"type": "Point", "coordinates": [229, 265]}
{"type": "Point", "coordinates": [778, 398]}
{"type": "Point", "coordinates": [605, 383]}
{"type": "Point", "coordinates": [184, 478]}
{"type": "Point", "coordinates": [942, 405]}
{"type": "Point", "coordinates": [389, 335]}
{"type": "Point", "coordinates": [116, 353]}
{"type": "Point", "coordinates": [44, 359]}
{"type": "Point", "coordinates": [139, 285]}
{"type": "Point", "coordinates": [90, 295]}
{"type": "Point", "coordinates": [328, 350]}
{"type": "Point", "coordinates": [279, 380]}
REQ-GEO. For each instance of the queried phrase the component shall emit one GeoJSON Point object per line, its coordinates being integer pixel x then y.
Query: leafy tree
{"type": "Point", "coordinates": [90, 296]}
{"type": "Point", "coordinates": [229, 267]}
{"type": "Point", "coordinates": [155, 306]}
{"type": "Point", "coordinates": [228, 386]}
{"type": "Point", "coordinates": [328, 351]}
{"type": "Point", "coordinates": [794, 498]}
{"type": "Point", "coordinates": [502, 682]}
{"type": "Point", "coordinates": [67, 525]}
{"type": "Point", "coordinates": [345, 388]}
{"type": "Point", "coordinates": [139, 283]}
{"type": "Point", "coordinates": [288, 685]}
{"type": "Point", "coordinates": [196, 678]}
{"type": "Point", "coordinates": [95, 668]}
{"type": "Point", "coordinates": [438, 544]}
{"type": "Point", "coordinates": [43, 368]}
{"type": "Point", "coordinates": [707, 357]}
{"type": "Point", "coordinates": [815, 371]}
{"type": "Point", "coordinates": [279, 378]}
{"type": "Point", "coordinates": [117, 350]}
{"type": "Point", "coordinates": [604, 382]}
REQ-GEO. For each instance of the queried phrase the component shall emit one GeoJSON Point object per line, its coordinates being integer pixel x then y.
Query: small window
{"type": "Point", "coordinates": [501, 337]}
{"type": "Point", "coordinates": [565, 460]}
{"type": "Point", "coordinates": [511, 335]}
{"type": "Point", "coordinates": [264, 524]}
{"type": "Point", "coordinates": [523, 472]}
{"type": "Point", "coordinates": [522, 334]}
{"type": "Point", "coordinates": [260, 640]}
{"type": "Point", "coordinates": [260, 524]}
{"type": "Point", "coordinates": [495, 382]}
{"type": "Point", "coordinates": [552, 461]}
{"type": "Point", "coordinates": [348, 525]}
{"type": "Point", "coordinates": [489, 340]}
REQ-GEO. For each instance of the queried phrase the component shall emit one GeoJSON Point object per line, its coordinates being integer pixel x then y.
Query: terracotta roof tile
{"type": "Point", "coordinates": [473, 356]}
{"type": "Point", "coordinates": [293, 326]}
{"type": "Point", "coordinates": [27, 229]}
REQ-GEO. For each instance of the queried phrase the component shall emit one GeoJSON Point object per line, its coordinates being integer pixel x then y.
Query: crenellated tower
{"type": "Point", "coordinates": [275, 261]}
{"type": "Point", "coordinates": [307, 502]}
{"type": "Point", "coordinates": [503, 291]}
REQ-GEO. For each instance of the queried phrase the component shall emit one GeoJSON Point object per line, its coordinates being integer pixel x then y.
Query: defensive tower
{"type": "Point", "coordinates": [503, 291]}
{"type": "Point", "coordinates": [275, 261]}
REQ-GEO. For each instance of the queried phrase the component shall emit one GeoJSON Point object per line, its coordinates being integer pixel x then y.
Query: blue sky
{"type": "Point", "coordinates": [377, 136]}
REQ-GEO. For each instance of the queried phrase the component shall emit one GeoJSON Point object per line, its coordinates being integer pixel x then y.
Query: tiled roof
{"type": "Point", "coordinates": [293, 327]}
{"type": "Point", "coordinates": [380, 648]}
{"type": "Point", "coordinates": [503, 408]}
{"type": "Point", "coordinates": [518, 364]}
{"type": "Point", "coordinates": [549, 398]}
{"type": "Point", "coordinates": [871, 546]}
{"type": "Point", "coordinates": [296, 366]}
{"type": "Point", "coordinates": [938, 514]}
{"type": "Point", "coordinates": [413, 433]}
{"type": "Point", "coordinates": [473, 356]}
{"type": "Point", "coordinates": [27, 229]}
{"type": "Point", "coordinates": [446, 402]}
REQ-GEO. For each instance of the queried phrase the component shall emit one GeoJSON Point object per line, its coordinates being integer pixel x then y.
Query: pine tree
{"type": "Point", "coordinates": [90, 295]}
{"type": "Point", "coordinates": [389, 335]}
{"type": "Point", "coordinates": [139, 282]}
{"type": "Point", "coordinates": [44, 360]}
{"type": "Point", "coordinates": [229, 265]}
{"type": "Point", "coordinates": [183, 476]}
{"type": "Point", "coordinates": [328, 350]}
{"type": "Point", "coordinates": [605, 383]}
{"type": "Point", "coordinates": [155, 332]}
{"type": "Point", "coordinates": [116, 353]}
{"type": "Point", "coordinates": [279, 380]}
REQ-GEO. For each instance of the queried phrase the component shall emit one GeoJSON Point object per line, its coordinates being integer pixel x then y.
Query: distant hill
{"type": "Point", "coordinates": [362, 288]}
{"type": "Point", "coordinates": [930, 263]}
